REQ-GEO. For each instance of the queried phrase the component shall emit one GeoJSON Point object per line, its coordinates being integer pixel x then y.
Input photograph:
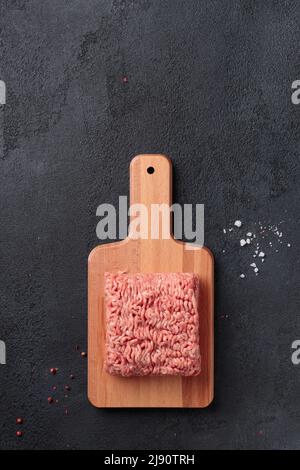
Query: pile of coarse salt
{"type": "Point", "coordinates": [261, 238]}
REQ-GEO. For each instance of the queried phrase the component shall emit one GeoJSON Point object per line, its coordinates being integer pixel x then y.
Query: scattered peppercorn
{"type": "Point", "coordinates": [50, 400]}
{"type": "Point", "coordinates": [19, 421]}
{"type": "Point", "coordinates": [53, 370]}
{"type": "Point", "coordinates": [83, 354]}
{"type": "Point", "coordinates": [19, 434]}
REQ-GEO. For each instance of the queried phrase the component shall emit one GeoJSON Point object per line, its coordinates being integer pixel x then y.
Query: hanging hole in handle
{"type": "Point", "coordinates": [150, 170]}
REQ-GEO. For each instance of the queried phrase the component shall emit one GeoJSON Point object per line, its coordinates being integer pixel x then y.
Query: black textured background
{"type": "Point", "coordinates": [209, 84]}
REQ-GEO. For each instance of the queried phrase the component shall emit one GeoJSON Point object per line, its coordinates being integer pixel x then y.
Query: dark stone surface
{"type": "Point", "coordinates": [209, 83]}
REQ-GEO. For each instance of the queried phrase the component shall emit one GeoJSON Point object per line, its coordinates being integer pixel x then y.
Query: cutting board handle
{"type": "Point", "coordinates": [151, 184]}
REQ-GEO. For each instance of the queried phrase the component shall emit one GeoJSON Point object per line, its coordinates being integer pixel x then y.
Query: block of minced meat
{"type": "Point", "coordinates": [152, 324]}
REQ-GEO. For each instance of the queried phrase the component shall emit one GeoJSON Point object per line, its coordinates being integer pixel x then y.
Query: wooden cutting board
{"type": "Point", "coordinates": [148, 255]}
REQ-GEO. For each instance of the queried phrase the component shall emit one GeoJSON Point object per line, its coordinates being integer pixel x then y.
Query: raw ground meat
{"type": "Point", "coordinates": [152, 324]}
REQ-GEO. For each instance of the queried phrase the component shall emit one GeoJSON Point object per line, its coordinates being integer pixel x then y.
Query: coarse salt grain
{"type": "Point", "coordinates": [238, 223]}
{"type": "Point", "coordinates": [243, 242]}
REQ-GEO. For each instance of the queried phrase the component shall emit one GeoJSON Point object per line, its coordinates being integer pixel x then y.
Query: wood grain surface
{"type": "Point", "coordinates": [149, 255]}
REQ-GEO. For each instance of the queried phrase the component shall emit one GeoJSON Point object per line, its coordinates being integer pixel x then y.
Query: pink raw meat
{"type": "Point", "coordinates": [152, 324]}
